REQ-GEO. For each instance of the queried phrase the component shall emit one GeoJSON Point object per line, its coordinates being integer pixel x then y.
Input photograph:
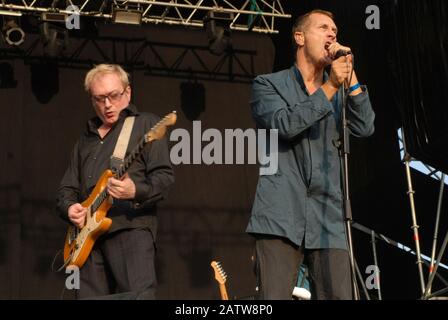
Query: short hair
{"type": "Point", "coordinates": [103, 69]}
{"type": "Point", "coordinates": [301, 22]}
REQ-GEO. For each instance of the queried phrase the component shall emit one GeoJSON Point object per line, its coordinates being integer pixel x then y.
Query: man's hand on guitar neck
{"type": "Point", "coordinates": [77, 214]}
{"type": "Point", "coordinates": [121, 189]}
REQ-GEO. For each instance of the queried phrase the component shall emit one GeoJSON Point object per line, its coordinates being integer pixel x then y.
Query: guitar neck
{"type": "Point", "coordinates": [155, 133]}
{"type": "Point", "coordinates": [120, 173]}
{"type": "Point", "coordinates": [130, 158]}
{"type": "Point", "coordinates": [223, 291]}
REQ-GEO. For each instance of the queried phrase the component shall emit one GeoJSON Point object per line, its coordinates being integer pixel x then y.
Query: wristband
{"type": "Point", "coordinates": [354, 87]}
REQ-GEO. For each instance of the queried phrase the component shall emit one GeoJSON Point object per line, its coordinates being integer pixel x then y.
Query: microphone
{"type": "Point", "coordinates": [342, 53]}
{"type": "Point", "coordinates": [339, 53]}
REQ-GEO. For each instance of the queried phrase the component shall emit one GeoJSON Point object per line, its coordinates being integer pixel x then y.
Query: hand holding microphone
{"type": "Point", "coordinates": [341, 70]}
{"type": "Point", "coordinates": [337, 50]}
{"type": "Point", "coordinates": [341, 67]}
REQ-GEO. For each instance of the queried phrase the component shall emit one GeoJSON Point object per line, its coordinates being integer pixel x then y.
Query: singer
{"type": "Point", "coordinates": [297, 212]}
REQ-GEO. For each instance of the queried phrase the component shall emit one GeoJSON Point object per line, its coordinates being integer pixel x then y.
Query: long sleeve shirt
{"type": "Point", "coordinates": [151, 172]}
{"type": "Point", "coordinates": [302, 201]}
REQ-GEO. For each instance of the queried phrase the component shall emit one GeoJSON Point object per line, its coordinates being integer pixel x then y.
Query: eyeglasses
{"type": "Point", "coordinates": [114, 96]}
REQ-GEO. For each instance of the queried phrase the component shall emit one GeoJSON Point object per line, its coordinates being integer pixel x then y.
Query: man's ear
{"type": "Point", "coordinates": [299, 38]}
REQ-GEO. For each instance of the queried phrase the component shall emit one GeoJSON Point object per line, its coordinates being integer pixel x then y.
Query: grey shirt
{"type": "Point", "coordinates": [302, 201]}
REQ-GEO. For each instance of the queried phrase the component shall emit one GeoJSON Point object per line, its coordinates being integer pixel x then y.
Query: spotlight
{"type": "Point", "coordinates": [13, 34]}
{"type": "Point", "coordinates": [44, 79]}
{"type": "Point", "coordinates": [217, 26]}
{"type": "Point", "coordinates": [192, 99]}
{"type": "Point", "coordinates": [54, 38]}
{"type": "Point", "coordinates": [54, 17]}
{"type": "Point", "coordinates": [126, 16]}
{"type": "Point", "coordinates": [7, 80]}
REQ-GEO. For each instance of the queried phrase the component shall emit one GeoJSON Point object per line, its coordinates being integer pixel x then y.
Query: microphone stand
{"type": "Point", "coordinates": [344, 151]}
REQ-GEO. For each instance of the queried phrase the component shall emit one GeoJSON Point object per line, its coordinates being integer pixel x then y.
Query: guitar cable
{"type": "Point", "coordinates": [65, 263]}
{"type": "Point", "coordinates": [61, 296]}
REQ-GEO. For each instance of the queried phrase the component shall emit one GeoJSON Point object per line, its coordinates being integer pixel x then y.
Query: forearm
{"type": "Point", "coordinates": [69, 189]}
{"type": "Point", "coordinates": [360, 114]}
{"type": "Point", "coordinates": [271, 112]}
{"type": "Point", "coordinates": [155, 177]}
{"type": "Point", "coordinates": [66, 197]}
{"type": "Point", "coordinates": [154, 188]}
{"type": "Point", "coordinates": [354, 80]}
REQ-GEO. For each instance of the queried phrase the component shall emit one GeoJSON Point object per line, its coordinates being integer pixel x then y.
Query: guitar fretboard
{"type": "Point", "coordinates": [130, 159]}
{"type": "Point", "coordinates": [102, 196]}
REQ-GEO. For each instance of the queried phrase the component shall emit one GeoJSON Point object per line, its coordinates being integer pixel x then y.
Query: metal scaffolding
{"type": "Point", "coordinates": [244, 15]}
{"type": "Point", "coordinates": [185, 62]}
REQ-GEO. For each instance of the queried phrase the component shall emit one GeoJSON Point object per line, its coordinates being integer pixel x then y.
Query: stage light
{"type": "Point", "coordinates": [54, 39]}
{"type": "Point", "coordinates": [126, 16]}
{"type": "Point", "coordinates": [217, 26]}
{"type": "Point", "coordinates": [12, 33]}
{"type": "Point", "coordinates": [192, 99]}
{"type": "Point", "coordinates": [54, 17]}
{"type": "Point", "coordinates": [7, 79]}
{"type": "Point", "coordinates": [44, 79]}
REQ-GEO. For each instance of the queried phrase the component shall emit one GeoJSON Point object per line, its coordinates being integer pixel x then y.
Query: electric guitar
{"type": "Point", "coordinates": [79, 242]}
{"type": "Point", "coordinates": [221, 277]}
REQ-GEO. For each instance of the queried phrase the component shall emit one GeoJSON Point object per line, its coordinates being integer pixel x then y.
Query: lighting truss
{"type": "Point", "coordinates": [247, 15]}
{"type": "Point", "coordinates": [185, 62]}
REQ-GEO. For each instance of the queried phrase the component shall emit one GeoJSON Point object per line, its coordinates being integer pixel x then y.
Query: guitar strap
{"type": "Point", "coordinates": [122, 144]}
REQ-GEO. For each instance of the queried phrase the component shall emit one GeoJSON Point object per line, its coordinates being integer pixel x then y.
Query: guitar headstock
{"type": "Point", "coordinates": [159, 130]}
{"type": "Point", "coordinates": [220, 275]}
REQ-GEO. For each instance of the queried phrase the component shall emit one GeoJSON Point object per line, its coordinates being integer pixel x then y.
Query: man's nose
{"type": "Point", "coordinates": [107, 102]}
{"type": "Point", "coordinates": [331, 34]}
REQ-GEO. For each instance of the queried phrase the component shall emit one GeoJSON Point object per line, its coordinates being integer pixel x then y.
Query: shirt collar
{"type": "Point", "coordinates": [94, 123]}
{"type": "Point", "coordinates": [299, 77]}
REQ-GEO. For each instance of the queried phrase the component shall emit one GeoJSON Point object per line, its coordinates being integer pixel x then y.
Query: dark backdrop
{"type": "Point", "coordinates": [208, 209]}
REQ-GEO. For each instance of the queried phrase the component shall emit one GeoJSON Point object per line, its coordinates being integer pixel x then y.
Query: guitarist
{"type": "Point", "coordinates": [122, 260]}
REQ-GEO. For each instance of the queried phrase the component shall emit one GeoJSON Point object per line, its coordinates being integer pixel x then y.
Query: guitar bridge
{"type": "Point", "coordinates": [73, 234]}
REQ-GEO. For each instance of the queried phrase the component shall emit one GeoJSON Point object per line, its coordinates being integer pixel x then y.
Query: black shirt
{"type": "Point", "coordinates": [151, 171]}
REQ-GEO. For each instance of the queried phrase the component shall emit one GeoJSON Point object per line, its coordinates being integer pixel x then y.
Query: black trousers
{"type": "Point", "coordinates": [277, 265]}
{"type": "Point", "coordinates": [120, 262]}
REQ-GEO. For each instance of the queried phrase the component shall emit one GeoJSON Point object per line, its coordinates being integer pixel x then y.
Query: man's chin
{"type": "Point", "coordinates": [327, 61]}
{"type": "Point", "coordinates": [108, 121]}
{"type": "Point", "coordinates": [324, 62]}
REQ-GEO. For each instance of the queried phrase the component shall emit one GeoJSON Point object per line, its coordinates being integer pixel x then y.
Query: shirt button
{"type": "Point", "coordinates": [90, 177]}
{"type": "Point", "coordinates": [101, 142]}
{"type": "Point", "coordinates": [94, 158]}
